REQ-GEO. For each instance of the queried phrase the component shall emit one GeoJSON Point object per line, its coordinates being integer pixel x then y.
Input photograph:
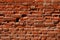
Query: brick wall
{"type": "Point", "coordinates": [29, 19]}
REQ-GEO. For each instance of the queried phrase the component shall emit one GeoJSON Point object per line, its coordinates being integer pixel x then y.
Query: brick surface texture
{"type": "Point", "coordinates": [29, 19]}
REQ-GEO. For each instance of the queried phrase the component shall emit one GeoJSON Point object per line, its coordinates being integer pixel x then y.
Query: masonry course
{"type": "Point", "coordinates": [29, 20]}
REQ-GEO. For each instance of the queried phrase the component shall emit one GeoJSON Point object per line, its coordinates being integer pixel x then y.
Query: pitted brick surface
{"type": "Point", "coordinates": [29, 19]}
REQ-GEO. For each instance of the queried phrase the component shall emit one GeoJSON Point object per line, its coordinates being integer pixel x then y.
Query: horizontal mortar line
{"type": "Point", "coordinates": [28, 34]}
{"type": "Point", "coordinates": [28, 3]}
{"type": "Point", "coordinates": [22, 37]}
{"type": "Point", "coordinates": [26, 28]}
{"type": "Point", "coordinates": [32, 28]}
{"type": "Point", "coordinates": [19, 11]}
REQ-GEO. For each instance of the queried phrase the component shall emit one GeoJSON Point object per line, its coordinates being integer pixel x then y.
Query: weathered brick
{"type": "Point", "coordinates": [29, 19]}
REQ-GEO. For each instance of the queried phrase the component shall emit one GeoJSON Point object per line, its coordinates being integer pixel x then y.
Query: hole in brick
{"type": "Point", "coordinates": [30, 12]}
{"type": "Point", "coordinates": [23, 15]}
{"type": "Point", "coordinates": [17, 19]}
{"type": "Point", "coordinates": [14, 12]}
{"type": "Point", "coordinates": [46, 18]}
{"type": "Point", "coordinates": [32, 35]}
{"type": "Point", "coordinates": [1, 14]}
{"type": "Point", "coordinates": [40, 33]}
{"type": "Point", "coordinates": [17, 35]}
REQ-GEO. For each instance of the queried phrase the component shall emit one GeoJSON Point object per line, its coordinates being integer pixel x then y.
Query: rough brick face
{"type": "Point", "coordinates": [29, 20]}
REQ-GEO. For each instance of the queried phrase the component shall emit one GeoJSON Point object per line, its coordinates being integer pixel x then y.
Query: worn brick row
{"type": "Point", "coordinates": [28, 0]}
{"type": "Point", "coordinates": [28, 8]}
{"type": "Point", "coordinates": [47, 19]}
{"type": "Point", "coordinates": [50, 34]}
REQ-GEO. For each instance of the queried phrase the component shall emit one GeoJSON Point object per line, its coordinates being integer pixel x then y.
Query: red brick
{"type": "Point", "coordinates": [29, 19]}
